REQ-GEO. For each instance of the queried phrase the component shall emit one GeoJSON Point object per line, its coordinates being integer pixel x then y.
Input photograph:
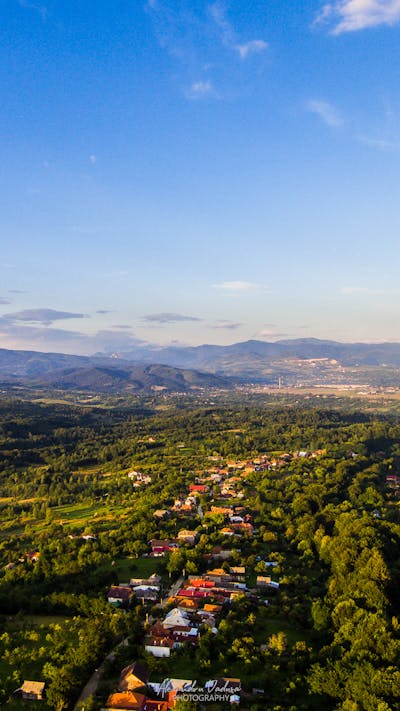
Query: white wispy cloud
{"type": "Point", "coordinates": [352, 15]}
{"type": "Point", "coordinates": [252, 47]}
{"type": "Point", "coordinates": [237, 285]}
{"type": "Point", "coordinates": [47, 338]}
{"type": "Point", "coordinates": [228, 325]}
{"type": "Point", "coordinates": [326, 111]}
{"type": "Point", "coordinates": [229, 36]}
{"type": "Point", "coordinates": [42, 316]}
{"type": "Point", "coordinates": [212, 55]}
{"type": "Point", "coordinates": [167, 317]}
{"type": "Point", "coordinates": [201, 90]}
{"type": "Point", "coordinates": [4, 300]}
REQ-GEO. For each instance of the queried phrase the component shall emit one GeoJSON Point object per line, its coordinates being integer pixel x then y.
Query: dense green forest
{"type": "Point", "coordinates": [72, 523]}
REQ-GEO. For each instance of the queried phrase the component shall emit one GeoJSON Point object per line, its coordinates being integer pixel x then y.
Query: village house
{"type": "Point", "coordinates": [198, 488]}
{"type": "Point", "coordinates": [176, 618]}
{"type": "Point", "coordinates": [146, 593]}
{"type": "Point", "coordinates": [216, 477]}
{"type": "Point", "coordinates": [32, 690]}
{"type": "Point", "coordinates": [154, 579]}
{"type": "Point", "coordinates": [186, 603]}
{"type": "Point", "coordinates": [139, 479]}
{"type": "Point", "coordinates": [184, 508]}
{"type": "Point", "coordinates": [119, 595]}
{"type": "Point", "coordinates": [188, 537]}
{"type": "Point", "coordinates": [161, 514]}
{"type": "Point", "coordinates": [153, 582]}
{"type": "Point", "coordinates": [238, 572]}
{"type": "Point", "coordinates": [160, 547]}
{"type": "Point", "coordinates": [133, 677]}
{"type": "Point", "coordinates": [133, 474]}
{"type": "Point", "coordinates": [159, 645]}
{"type": "Point", "coordinates": [127, 701]}
{"type": "Point", "coordinates": [32, 557]}
{"type": "Point", "coordinates": [393, 479]}
{"type": "Point", "coordinates": [227, 531]}
{"type": "Point", "coordinates": [151, 705]}
{"type": "Point", "coordinates": [218, 553]}
{"type": "Point", "coordinates": [264, 581]}
{"type": "Point", "coordinates": [224, 510]}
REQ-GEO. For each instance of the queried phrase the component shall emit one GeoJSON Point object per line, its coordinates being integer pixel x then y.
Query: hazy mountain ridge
{"type": "Point", "coordinates": [113, 378]}
{"type": "Point", "coordinates": [299, 361]}
{"type": "Point", "coordinates": [17, 364]}
{"type": "Point", "coordinates": [305, 348]}
{"type": "Point", "coordinates": [102, 374]}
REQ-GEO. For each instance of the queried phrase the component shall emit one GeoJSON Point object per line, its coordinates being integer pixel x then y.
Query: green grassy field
{"type": "Point", "coordinates": [83, 513]}
{"type": "Point", "coordinates": [127, 568]}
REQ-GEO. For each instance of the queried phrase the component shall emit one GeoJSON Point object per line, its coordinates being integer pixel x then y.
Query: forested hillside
{"type": "Point", "coordinates": [85, 490]}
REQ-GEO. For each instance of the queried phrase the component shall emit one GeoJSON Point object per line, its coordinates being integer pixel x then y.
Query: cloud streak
{"type": "Point", "coordinates": [166, 317]}
{"type": "Point", "coordinates": [228, 325]}
{"type": "Point", "coordinates": [43, 316]}
{"type": "Point", "coordinates": [238, 286]}
{"type": "Point", "coordinates": [213, 57]}
{"type": "Point", "coordinates": [326, 112]}
{"type": "Point", "coordinates": [201, 90]}
{"type": "Point", "coordinates": [47, 338]}
{"type": "Point", "coordinates": [252, 47]}
{"type": "Point", "coordinates": [229, 37]}
{"type": "Point", "coordinates": [353, 15]}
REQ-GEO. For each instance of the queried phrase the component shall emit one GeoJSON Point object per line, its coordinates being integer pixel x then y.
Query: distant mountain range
{"type": "Point", "coordinates": [301, 361]}
{"type": "Point", "coordinates": [99, 374]}
{"type": "Point", "coordinates": [114, 378]}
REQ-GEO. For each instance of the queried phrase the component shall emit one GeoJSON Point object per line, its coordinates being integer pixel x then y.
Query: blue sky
{"type": "Point", "coordinates": [183, 171]}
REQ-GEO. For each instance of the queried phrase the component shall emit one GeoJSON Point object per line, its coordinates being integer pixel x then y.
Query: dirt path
{"type": "Point", "coordinates": [92, 684]}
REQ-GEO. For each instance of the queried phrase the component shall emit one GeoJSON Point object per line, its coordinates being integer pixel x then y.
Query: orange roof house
{"type": "Point", "coordinates": [135, 676]}
{"type": "Point", "coordinates": [32, 690]}
{"type": "Point", "coordinates": [126, 701]}
{"type": "Point", "coordinates": [151, 705]}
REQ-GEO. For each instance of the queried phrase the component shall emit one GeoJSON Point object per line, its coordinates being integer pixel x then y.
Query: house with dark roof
{"type": "Point", "coordinates": [119, 595]}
